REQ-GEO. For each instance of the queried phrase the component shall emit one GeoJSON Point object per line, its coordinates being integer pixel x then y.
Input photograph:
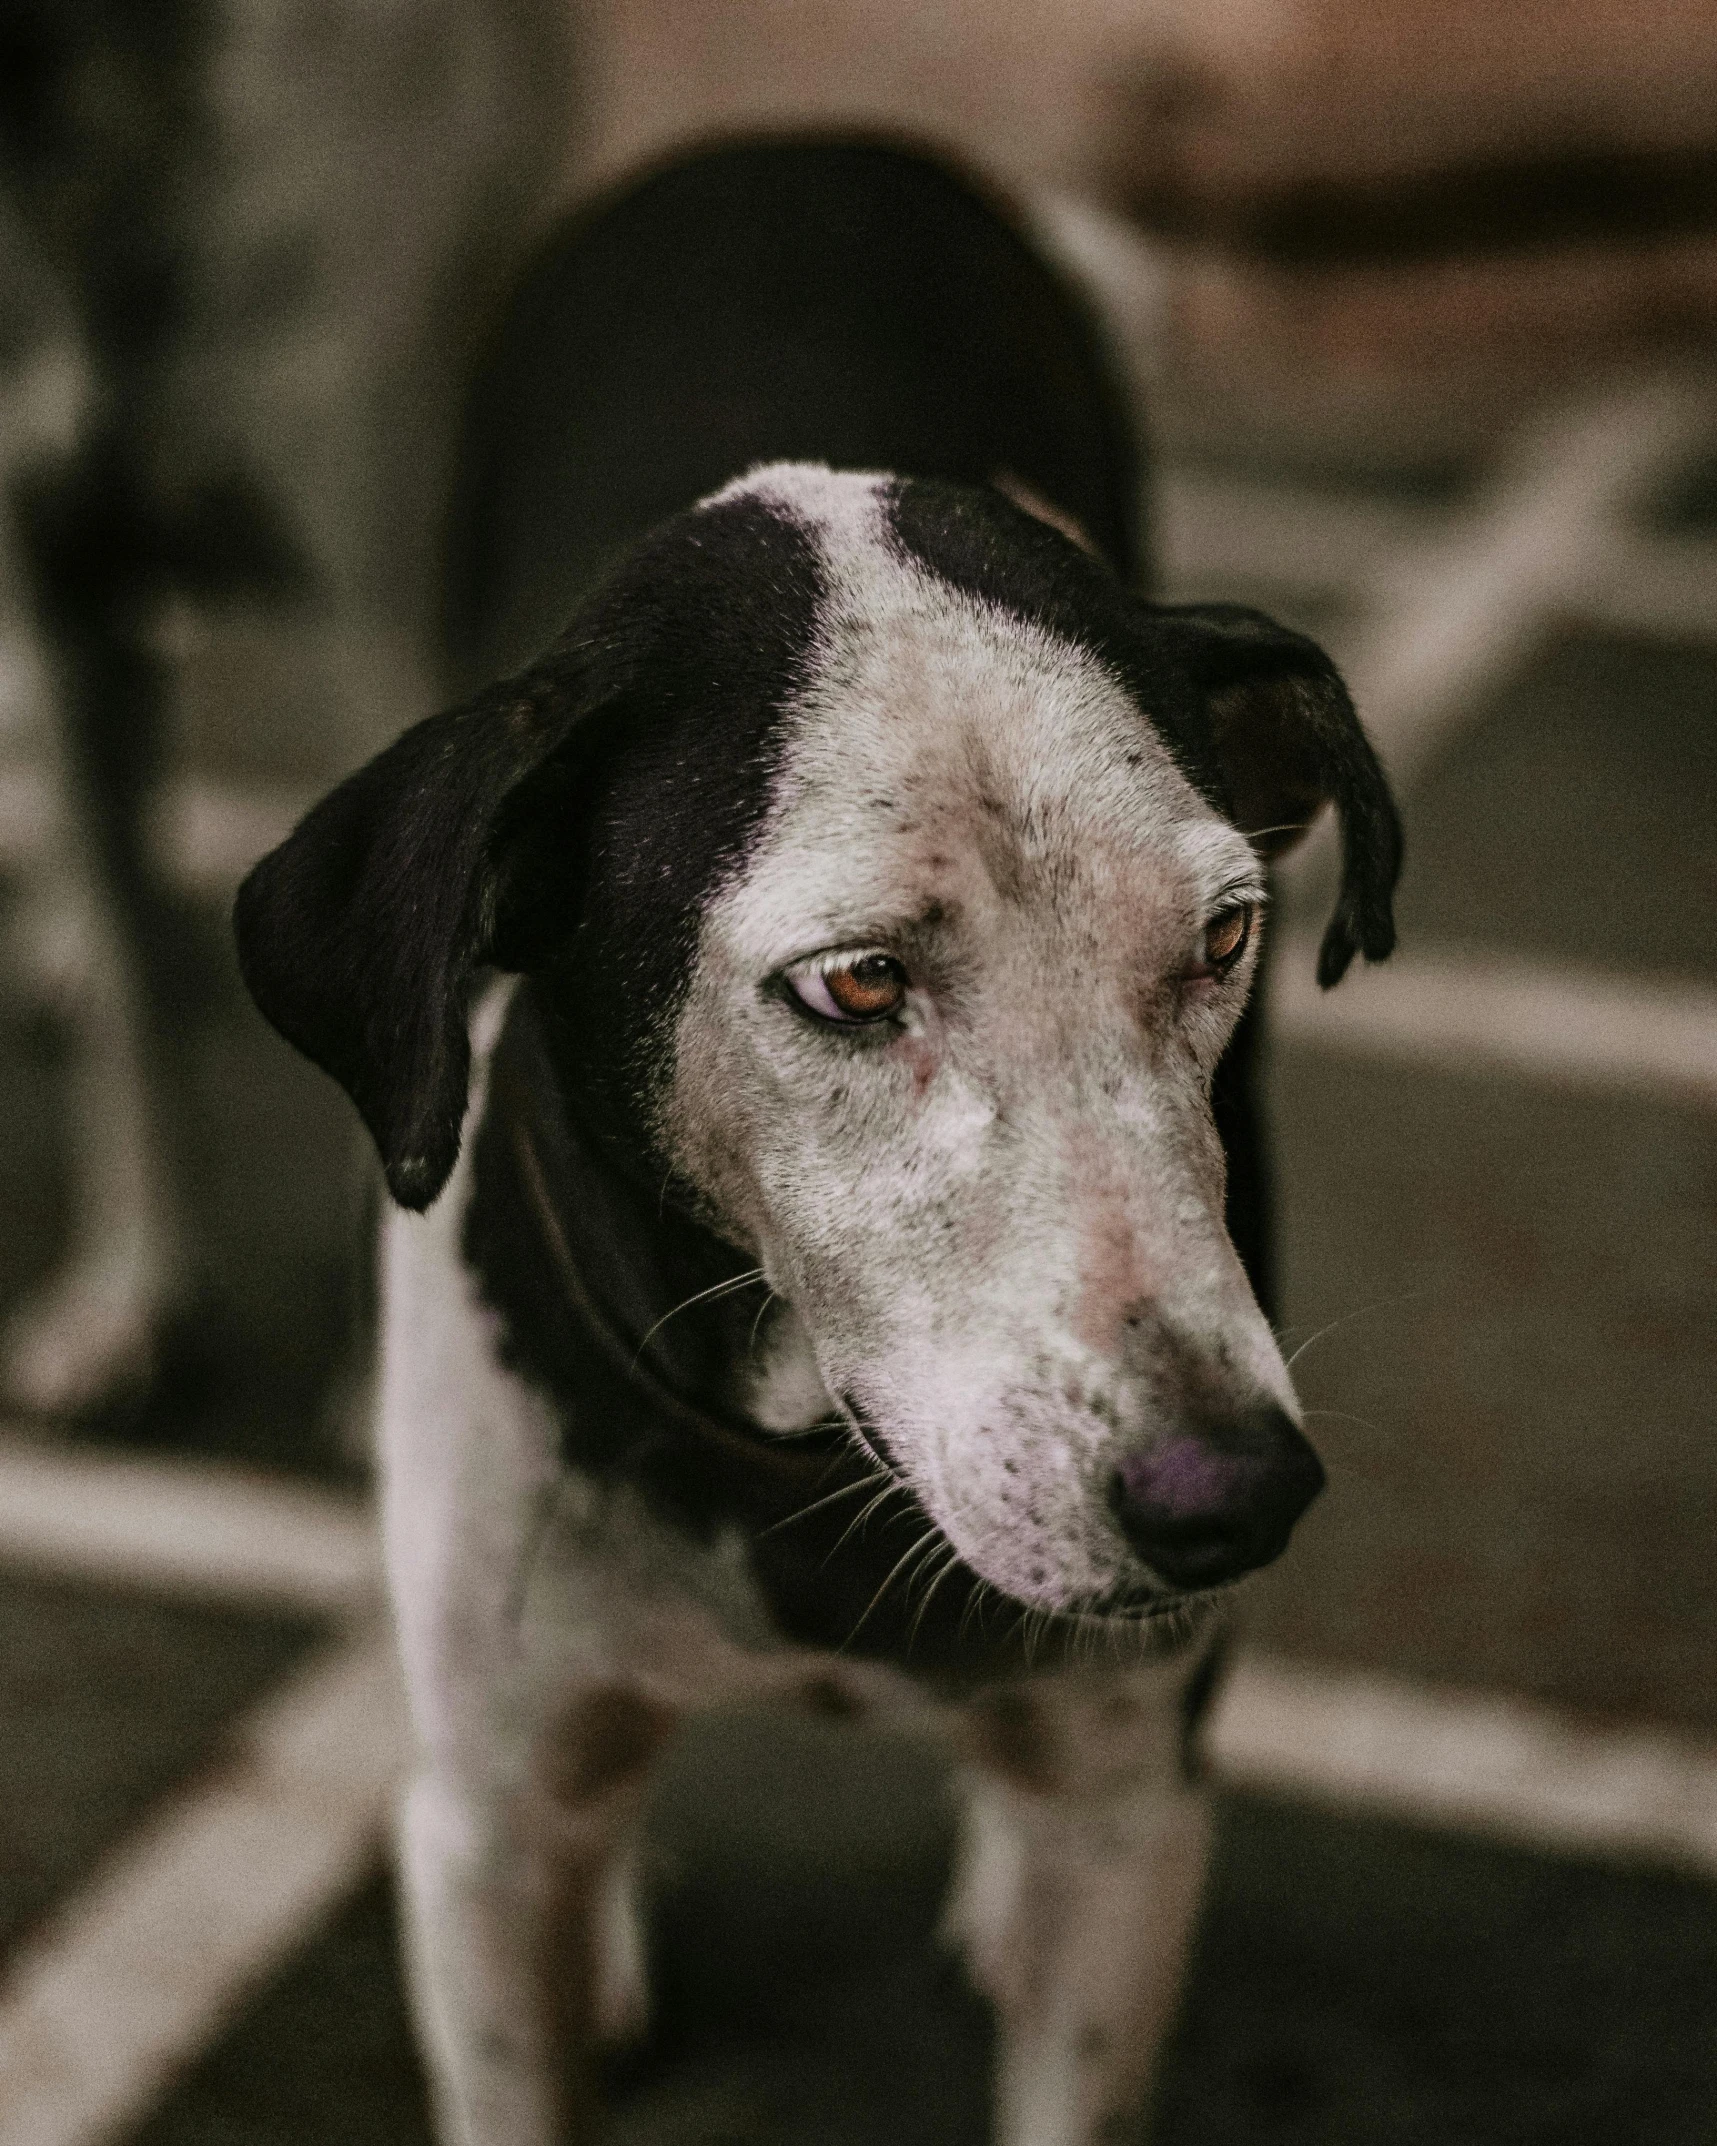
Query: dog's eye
{"type": "Point", "coordinates": [1225, 938]}
{"type": "Point", "coordinates": [850, 988]}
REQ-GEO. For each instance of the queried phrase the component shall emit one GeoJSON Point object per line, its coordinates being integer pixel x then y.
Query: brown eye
{"type": "Point", "coordinates": [1225, 937]}
{"type": "Point", "coordinates": [856, 988]}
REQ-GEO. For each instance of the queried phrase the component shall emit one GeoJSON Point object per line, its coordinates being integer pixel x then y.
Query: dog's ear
{"type": "Point", "coordinates": [1287, 742]}
{"type": "Point", "coordinates": [361, 936]}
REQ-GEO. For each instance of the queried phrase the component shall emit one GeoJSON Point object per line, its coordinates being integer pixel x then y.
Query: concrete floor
{"type": "Point", "coordinates": [1354, 1984]}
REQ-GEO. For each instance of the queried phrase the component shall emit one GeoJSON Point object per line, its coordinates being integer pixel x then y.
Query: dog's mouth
{"type": "Point", "coordinates": [1140, 1602]}
{"type": "Point", "coordinates": [1123, 1624]}
{"type": "Point", "coordinates": [1129, 1605]}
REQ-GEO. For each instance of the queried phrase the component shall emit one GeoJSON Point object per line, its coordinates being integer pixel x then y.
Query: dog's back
{"type": "Point", "coordinates": [844, 302]}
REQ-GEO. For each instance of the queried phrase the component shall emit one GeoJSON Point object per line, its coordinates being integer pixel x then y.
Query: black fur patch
{"type": "Point", "coordinates": [576, 1258]}
{"type": "Point", "coordinates": [609, 865]}
{"type": "Point", "coordinates": [1255, 715]}
{"type": "Point", "coordinates": [846, 302]}
{"type": "Point", "coordinates": [1248, 1205]}
{"type": "Point", "coordinates": [986, 547]}
{"type": "Point", "coordinates": [566, 822]}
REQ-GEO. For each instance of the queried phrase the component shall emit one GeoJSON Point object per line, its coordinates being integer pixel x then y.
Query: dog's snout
{"type": "Point", "coordinates": [1203, 1507]}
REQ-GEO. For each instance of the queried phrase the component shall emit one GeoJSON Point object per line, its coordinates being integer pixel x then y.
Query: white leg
{"type": "Point", "coordinates": [523, 1940]}
{"type": "Point", "coordinates": [1074, 1902]}
{"type": "Point", "coordinates": [518, 1836]}
{"type": "Point", "coordinates": [487, 2055]}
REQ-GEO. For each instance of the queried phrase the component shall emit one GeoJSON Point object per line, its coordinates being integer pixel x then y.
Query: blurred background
{"type": "Point", "coordinates": [1419, 299]}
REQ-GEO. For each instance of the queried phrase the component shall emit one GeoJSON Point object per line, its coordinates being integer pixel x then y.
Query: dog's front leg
{"type": "Point", "coordinates": [522, 1936]}
{"type": "Point", "coordinates": [1077, 1889]}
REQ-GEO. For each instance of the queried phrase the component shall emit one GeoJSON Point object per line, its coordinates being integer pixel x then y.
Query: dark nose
{"type": "Point", "coordinates": [1204, 1507]}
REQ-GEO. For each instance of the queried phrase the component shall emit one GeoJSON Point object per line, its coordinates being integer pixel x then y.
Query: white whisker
{"type": "Point", "coordinates": [1365, 1311]}
{"type": "Point", "coordinates": [950, 1562]}
{"type": "Point", "coordinates": [929, 1536]}
{"type": "Point", "coordinates": [882, 1497]}
{"type": "Point", "coordinates": [773, 1297]}
{"type": "Point", "coordinates": [847, 1490]}
{"type": "Point", "coordinates": [703, 1296]}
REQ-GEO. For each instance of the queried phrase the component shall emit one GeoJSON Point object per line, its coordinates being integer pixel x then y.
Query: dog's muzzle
{"type": "Point", "coordinates": [1203, 1507]}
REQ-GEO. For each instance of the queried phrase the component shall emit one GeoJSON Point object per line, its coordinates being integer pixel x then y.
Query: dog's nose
{"type": "Point", "coordinates": [1204, 1507]}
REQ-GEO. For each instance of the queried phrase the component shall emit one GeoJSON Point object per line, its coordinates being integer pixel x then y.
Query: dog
{"type": "Point", "coordinates": [796, 1013]}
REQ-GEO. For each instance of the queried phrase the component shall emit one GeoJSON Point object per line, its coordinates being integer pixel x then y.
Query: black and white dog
{"type": "Point", "coordinates": [788, 1011]}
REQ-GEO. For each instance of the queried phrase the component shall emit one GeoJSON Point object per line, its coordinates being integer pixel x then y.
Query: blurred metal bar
{"type": "Point", "coordinates": [1449, 599]}
{"type": "Point", "coordinates": [1469, 1761]}
{"type": "Point", "coordinates": [184, 1528]}
{"type": "Point", "coordinates": [1222, 533]}
{"type": "Point", "coordinates": [1661, 586]}
{"type": "Point", "coordinates": [206, 834]}
{"type": "Point", "coordinates": [136, 1973]}
{"type": "Point", "coordinates": [1478, 1012]}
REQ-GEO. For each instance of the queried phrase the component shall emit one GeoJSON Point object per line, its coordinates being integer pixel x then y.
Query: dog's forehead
{"type": "Point", "coordinates": [932, 725]}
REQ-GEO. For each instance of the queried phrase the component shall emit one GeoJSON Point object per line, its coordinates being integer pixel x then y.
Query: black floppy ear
{"type": "Point", "coordinates": [1287, 742]}
{"type": "Point", "coordinates": [360, 937]}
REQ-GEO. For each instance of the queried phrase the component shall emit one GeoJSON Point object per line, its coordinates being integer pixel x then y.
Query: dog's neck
{"type": "Point", "coordinates": [685, 1317]}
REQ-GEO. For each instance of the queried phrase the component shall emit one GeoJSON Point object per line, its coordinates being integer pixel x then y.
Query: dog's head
{"type": "Point", "coordinates": [894, 879]}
